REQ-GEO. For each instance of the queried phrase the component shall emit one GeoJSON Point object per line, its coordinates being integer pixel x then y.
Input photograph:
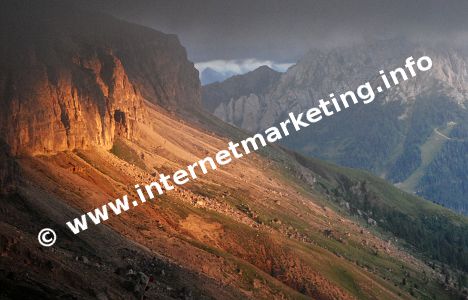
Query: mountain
{"type": "Point", "coordinates": [71, 80]}
{"type": "Point", "coordinates": [243, 90]}
{"type": "Point", "coordinates": [272, 225]}
{"type": "Point", "coordinates": [209, 75]}
{"type": "Point", "coordinates": [413, 134]}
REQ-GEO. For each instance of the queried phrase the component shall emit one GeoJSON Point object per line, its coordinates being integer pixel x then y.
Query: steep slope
{"type": "Point", "coordinates": [71, 79]}
{"type": "Point", "coordinates": [387, 136]}
{"type": "Point", "coordinates": [259, 228]}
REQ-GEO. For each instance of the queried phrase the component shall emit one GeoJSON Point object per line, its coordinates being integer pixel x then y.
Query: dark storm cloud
{"type": "Point", "coordinates": [283, 31]}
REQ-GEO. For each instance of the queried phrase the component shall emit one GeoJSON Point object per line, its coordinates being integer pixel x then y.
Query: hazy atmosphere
{"type": "Point", "coordinates": [282, 31]}
{"type": "Point", "coordinates": [226, 38]}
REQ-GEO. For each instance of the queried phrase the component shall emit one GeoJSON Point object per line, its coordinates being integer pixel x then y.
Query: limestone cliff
{"type": "Point", "coordinates": [71, 79]}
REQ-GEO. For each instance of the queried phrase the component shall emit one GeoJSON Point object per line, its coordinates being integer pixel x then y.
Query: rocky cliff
{"type": "Point", "coordinates": [236, 100]}
{"type": "Point", "coordinates": [71, 79]}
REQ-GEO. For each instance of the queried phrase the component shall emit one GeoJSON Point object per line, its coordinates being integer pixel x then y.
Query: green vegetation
{"type": "Point", "coordinates": [425, 229]}
{"type": "Point", "coordinates": [446, 179]}
{"type": "Point", "coordinates": [432, 230]}
{"type": "Point", "coordinates": [124, 152]}
{"type": "Point", "coordinates": [428, 113]}
{"type": "Point", "coordinates": [398, 142]}
{"type": "Point", "coordinates": [427, 152]}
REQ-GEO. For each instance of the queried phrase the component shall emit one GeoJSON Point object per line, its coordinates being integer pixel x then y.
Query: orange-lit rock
{"type": "Point", "coordinates": [78, 81]}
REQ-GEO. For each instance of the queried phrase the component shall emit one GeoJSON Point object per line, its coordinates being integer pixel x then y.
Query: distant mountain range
{"type": "Point", "coordinates": [220, 70]}
{"type": "Point", "coordinates": [414, 135]}
{"type": "Point", "coordinates": [258, 81]}
{"type": "Point", "coordinates": [209, 75]}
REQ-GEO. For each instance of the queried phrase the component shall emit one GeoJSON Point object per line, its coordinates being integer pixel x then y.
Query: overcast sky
{"type": "Point", "coordinates": [241, 34]}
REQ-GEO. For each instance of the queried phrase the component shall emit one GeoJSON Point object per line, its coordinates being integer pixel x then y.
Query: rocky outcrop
{"type": "Point", "coordinates": [71, 79]}
{"type": "Point", "coordinates": [56, 109]}
{"type": "Point", "coordinates": [257, 82]}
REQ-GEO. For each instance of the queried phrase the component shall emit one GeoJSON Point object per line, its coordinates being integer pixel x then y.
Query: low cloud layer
{"type": "Point", "coordinates": [240, 66]}
{"type": "Point", "coordinates": [219, 70]}
{"type": "Point", "coordinates": [282, 31]}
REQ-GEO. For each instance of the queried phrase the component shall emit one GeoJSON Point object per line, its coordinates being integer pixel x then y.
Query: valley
{"type": "Point", "coordinates": [428, 152]}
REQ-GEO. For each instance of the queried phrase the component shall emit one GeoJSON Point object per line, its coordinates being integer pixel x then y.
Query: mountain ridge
{"type": "Point", "coordinates": [405, 115]}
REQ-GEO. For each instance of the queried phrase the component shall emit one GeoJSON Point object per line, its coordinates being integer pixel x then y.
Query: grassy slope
{"type": "Point", "coordinates": [266, 237]}
{"type": "Point", "coordinates": [394, 197]}
{"type": "Point", "coordinates": [429, 151]}
{"type": "Point", "coordinates": [385, 194]}
{"type": "Point", "coordinates": [424, 227]}
{"type": "Point", "coordinates": [428, 227]}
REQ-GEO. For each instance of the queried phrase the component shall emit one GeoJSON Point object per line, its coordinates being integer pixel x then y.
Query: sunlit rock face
{"type": "Point", "coordinates": [48, 109]}
{"type": "Point", "coordinates": [73, 80]}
